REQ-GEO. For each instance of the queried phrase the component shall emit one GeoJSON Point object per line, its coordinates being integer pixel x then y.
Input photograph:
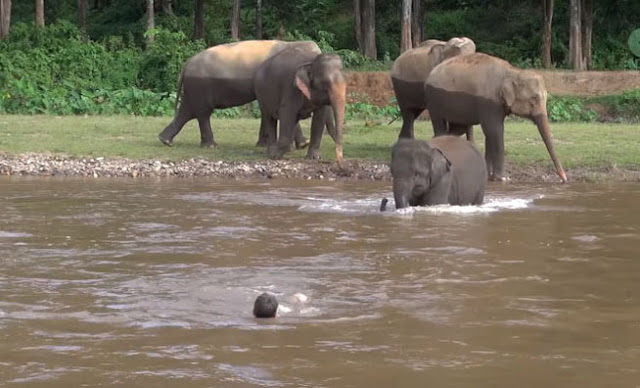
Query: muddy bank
{"type": "Point", "coordinates": [63, 166]}
{"type": "Point", "coordinates": [375, 87]}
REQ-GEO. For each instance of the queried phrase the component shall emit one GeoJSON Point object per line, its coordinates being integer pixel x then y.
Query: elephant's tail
{"type": "Point", "coordinates": [179, 91]}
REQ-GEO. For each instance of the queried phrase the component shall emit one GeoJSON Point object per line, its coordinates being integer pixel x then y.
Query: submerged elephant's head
{"type": "Point", "coordinates": [523, 93]}
{"type": "Point", "coordinates": [421, 174]}
{"type": "Point", "coordinates": [323, 83]}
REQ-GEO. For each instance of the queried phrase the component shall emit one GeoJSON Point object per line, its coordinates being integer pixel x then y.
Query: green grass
{"type": "Point", "coordinates": [577, 144]}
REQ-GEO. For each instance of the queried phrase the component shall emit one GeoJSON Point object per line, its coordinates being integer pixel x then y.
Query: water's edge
{"type": "Point", "coordinates": [44, 165]}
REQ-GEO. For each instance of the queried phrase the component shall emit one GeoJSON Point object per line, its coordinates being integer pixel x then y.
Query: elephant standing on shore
{"type": "Point", "coordinates": [221, 77]}
{"type": "Point", "coordinates": [443, 170]}
{"type": "Point", "coordinates": [481, 89]}
{"type": "Point", "coordinates": [294, 84]}
{"type": "Point", "coordinates": [410, 71]}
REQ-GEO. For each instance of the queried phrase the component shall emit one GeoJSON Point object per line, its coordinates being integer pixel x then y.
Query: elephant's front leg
{"type": "Point", "coordinates": [318, 121]}
{"type": "Point", "coordinates": [494, 149]}
{"type": "Point", "coordinates": [288, 122]}
{"type": "Point", "coordinates": [268, 130]}
{"type": "Point", "coordinates": [299, 139]}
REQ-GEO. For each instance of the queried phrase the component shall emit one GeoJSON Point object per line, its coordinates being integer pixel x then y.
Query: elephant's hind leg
{"type": "Point", "coordinates": [179, 120]}
{"type": "Point", "coordinates": [440, 126]}
{"type": "Point", "coordinates": [206, 134]}
{"type": "Point", "coordinates": [461, 129]}
{"type": "Point", "coordinates": [409, 116]}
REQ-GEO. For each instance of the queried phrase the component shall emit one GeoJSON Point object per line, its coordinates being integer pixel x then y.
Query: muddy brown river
{"type": "Point", "coordinates": [152, 283]}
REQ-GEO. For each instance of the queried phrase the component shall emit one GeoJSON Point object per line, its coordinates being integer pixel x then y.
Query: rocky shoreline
{"type": "Point", "coordinates": [43, 165]}
{"type": "Point", "coordinates": [64, 166]}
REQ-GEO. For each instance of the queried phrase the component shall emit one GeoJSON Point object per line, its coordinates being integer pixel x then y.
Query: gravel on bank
{"type": "Point", "coordinates": [64, 166]}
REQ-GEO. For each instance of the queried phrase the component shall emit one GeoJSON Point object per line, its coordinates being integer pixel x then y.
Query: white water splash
{"type": "Point", "coordinates": [490, 206]}
{"type": "Point", "coordinates": [372, 205]}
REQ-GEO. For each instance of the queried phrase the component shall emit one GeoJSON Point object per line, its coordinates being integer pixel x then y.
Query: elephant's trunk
{"type": "Point", "coordinates": [400, 193]}
{"type": "Point", "coordinates": [338, 97]}
{"type": "Point", "coordinates": [542, 122]}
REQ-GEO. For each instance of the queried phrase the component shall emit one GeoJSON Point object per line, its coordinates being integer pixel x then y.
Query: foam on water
{"type": "Point", "coordinates": [372, 205]}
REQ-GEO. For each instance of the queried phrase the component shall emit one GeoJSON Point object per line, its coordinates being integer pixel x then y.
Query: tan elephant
{"type": "Point", "coordinates": [411, 69]}
{"type": "Point", "coordinates": [222, 77]}
{"type": "Point", "coordinates": [482, 89]}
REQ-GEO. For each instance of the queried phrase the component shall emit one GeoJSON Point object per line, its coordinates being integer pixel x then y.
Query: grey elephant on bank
{"type": "Point", "coordinates": [443, 170]}
{"type": "Point", "coordinates": [482, 89]}
{"type": "Point", "coordinates": [293, 85]}
{"type": "Point", "coordinates": [410, 71]}
{"type": "Point", "coordinates": [221, 77]}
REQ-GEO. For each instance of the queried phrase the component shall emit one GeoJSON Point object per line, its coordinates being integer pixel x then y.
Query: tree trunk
{"type": "Point", "coordinates": [198, 25]}
{"type": "Point", "coordinates": [258, 19]}
{"type": "Point", "coordinates": [82, 18]}
{"type": "Point", "coordinates": [39, 13]}
{"type": "Point", "coordinates": [5, 18]}
{"type": "Point", "coordinates": [417, 26]}
{"type": "Point", "coordinates": [357, 11]}
{"type": "Point", "coordinates": [575, 35]}
{"type": "Point", "coordinates": [587, 32]}
{"type": "Point", "coordinates": [167, 8]}
{"type": "Point", "coordinates": [405, 34]}
{"type": "Point", "coordinates": [235, 20]}
{"type": "Point", "coordinates": [547, 20]}
{"type": "Point", "coordinates": [150, 22]}
{"type": "Point", "coordinates": [369, 29]}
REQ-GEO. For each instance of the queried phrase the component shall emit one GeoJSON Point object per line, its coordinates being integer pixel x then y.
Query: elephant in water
{"type": "Point", "coordinates": [443, 170]}
{"type": "Point", "coordinates": [294, 84]}
{"type": "Point", "coordinates": [482, 89]}
{"type": "Point", "coordinates": [410, 71]}
{"type": "Point", "coordinates": [222, 77]}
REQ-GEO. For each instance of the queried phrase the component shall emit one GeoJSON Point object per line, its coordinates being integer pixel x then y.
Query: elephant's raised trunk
{"type": "Point", "coordinates": [542, 122]}
{"type": "Point", "coordinates": [338, 97]}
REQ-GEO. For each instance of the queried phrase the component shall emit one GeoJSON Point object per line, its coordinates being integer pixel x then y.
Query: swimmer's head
{"type": "Point", "coordinates": [265, 306]}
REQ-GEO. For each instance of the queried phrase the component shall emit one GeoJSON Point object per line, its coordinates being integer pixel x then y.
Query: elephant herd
{"type": "Point", "coordinates": [294, 80]}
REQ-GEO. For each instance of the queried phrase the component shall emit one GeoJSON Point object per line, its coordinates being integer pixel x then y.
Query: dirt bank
{"type": "Point", "coordinates": [62, 166]}
{"type": "Point", "coordinates": [375, 87]}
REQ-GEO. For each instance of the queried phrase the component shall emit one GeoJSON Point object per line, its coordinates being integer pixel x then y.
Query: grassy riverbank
{"type": "Point", "coordinates": [591, 146]}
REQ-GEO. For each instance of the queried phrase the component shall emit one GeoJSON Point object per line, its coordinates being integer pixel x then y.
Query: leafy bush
{"type": "Point", "coordinates": [625, 106]}
{"type": "Point", "coordinates": [161, 63]}
{"type": "Point", "coordinates": [569, 109]}
{"type": "Point", "coordinates": [366, 111]}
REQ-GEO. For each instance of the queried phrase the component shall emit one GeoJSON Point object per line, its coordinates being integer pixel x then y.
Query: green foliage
{"type": "Point", "coordinates": [634, 42]}
{"type": "Point", "coordinates": [369, 112]}
{"type": "Point", "coordinates": [569, 109]}
{"type": "Point", "coordinates": [161, 63]}
{"type": "Point", "coordinates": [626, 106]}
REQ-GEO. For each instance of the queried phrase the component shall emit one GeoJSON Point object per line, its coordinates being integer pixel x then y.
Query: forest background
{"type": "Point", "coordinates": [124, 56]}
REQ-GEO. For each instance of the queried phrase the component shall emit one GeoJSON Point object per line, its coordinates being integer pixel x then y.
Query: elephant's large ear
{"type": "Point", "coordinates": [508, 92]}
{"type": "Point", "coordinates": [303, 79]}
{"type": "Point", "coordinates": [440, 165]}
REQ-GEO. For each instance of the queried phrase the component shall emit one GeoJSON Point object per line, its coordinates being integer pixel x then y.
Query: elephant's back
{"type": "Point", "coordinates": [469, 73]}
{"type": "Point", "coordinates": [285, 63]}
{"type": "Point", "coordinates": [415, 65]}
{"type": "Point", "coordinates": [468, 166]}
{"type": "Point", "coordinates": [237, 60]}
{"type": "Point", "coordinates": [460, 152]}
